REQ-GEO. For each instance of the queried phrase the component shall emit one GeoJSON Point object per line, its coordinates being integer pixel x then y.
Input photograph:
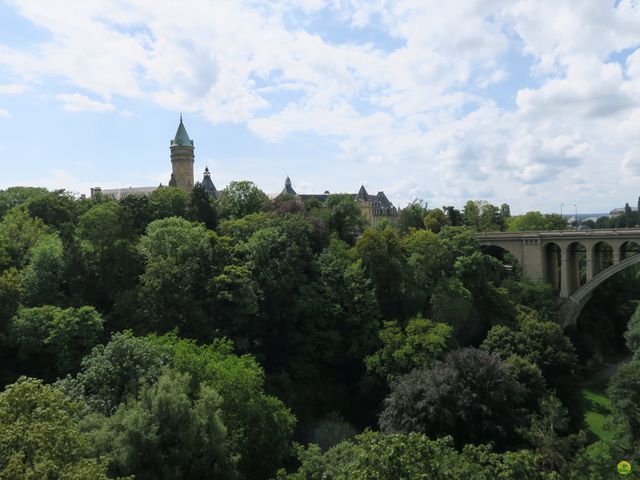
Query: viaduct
{"type": "Point", "coordinates": [573, 262]}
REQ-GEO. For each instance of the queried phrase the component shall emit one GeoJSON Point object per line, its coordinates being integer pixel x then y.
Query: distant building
{"type": "Point", "coordinates": [374, 208]}
{"type": "Point", "coordinates": [619, 211]}
{"type": "Point", "coordinates": [182, 158]}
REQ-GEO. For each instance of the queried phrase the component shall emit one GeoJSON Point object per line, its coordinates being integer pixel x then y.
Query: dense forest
{"type": "Point", "coordinates": [171, 336]}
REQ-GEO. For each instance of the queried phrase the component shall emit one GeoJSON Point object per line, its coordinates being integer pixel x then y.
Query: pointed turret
{"type": "Point", "coordinates": [362, 195]}
{"type": "Point", "coordinates": [182, 158]}
{"type": "Point", "coordinates": [288, 189]}
{"type": "Point", "coordinates": [207, 183]}
{"type": "Point", "coordinates": [182, 137]}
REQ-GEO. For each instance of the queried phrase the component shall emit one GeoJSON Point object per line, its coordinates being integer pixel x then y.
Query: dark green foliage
{"type": "Point", "coordinates": [136, 213]}
{"type": "Point", "coordinates": [543, 344]}
{"type": "Point", "coordinates": [412, 217]}
{"type": "Point", "coordinates": [344, 218]}
{"type": "Point", "coordinates": [624, 393]}
{"type": "Point", "coordinates": [454, 215]}
{"type": "Point", "coordinates": [311, 299]}
{"type": "Point", "coordinates": [114, 373]}
{"type": "Point", "coordinates": [11, 292]}
{"type": "Point", "coordinates": [14, 196]}
{"type": "Point", "coordinates": [470, 395]}
{"type": "Point", "coordinates": [52, 341]}
{"type": "Point", "coordinates": [171, 432]}
{"type": "Point", "coordinates": [57, 209]}
{"type": "Point", "coordinates": [632, 335]}
{"type": "Point", "coordinates": [18, 233]}
{"type": "Point", "coordinates": [549, 435]}
{"type": "Point", "coordinates": [107, 262]}
{"type": "Point", "coordinates": [435, 219]}
{"type": "Point", "coordinates": [384, 261]}
{"type": "Point", "coordinates": [178, 261]}
{"type": "Point", "coordinates": [203, 208]}
{"type": "Point", "coordinates": [42, 278]}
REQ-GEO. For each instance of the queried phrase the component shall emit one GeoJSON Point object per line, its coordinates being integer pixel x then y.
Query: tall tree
{"type": "Point", "coordinates": [242, 198]}
{"type": "Point", "coordinates": [168, 433]}
{"type": "Point", "coordinates": [39, 435]}
{"type": "Point", "coordinates": [202, 207]}
{"type": "Point", "coordinates": [470, 395]}
{"type": "Point", "coordinates": [412, 216]}
{"type": "Point", "coordinates": [178, 262]}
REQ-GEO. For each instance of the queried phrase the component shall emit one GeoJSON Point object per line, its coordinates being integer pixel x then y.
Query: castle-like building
{"type": "Point", "coordinates": [375, 208]}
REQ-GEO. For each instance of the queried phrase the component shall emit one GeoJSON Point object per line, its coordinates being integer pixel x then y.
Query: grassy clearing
{"type": "Point", "coordinates": [597, 411]}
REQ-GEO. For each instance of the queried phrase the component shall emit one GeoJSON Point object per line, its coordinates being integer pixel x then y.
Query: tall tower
{"type": "Point", "coordinates": [182, 158]}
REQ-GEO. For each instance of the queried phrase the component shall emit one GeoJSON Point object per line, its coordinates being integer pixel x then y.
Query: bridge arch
{"type": "Point", "coordinates": [570, 309]}
{"type": "Point", "coordinates": [629, 249]}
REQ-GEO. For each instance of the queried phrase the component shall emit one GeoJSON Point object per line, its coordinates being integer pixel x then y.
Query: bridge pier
{"type": "Point", "coordinates": [596, 262]}
{"type": "Point", "coordinates": [570, 280]}
{"type": "Point", "coordinates": [552, 258]}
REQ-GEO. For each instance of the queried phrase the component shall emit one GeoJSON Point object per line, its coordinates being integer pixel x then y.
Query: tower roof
{"type": "Point", "coordinates": [207, 183]}
{"type": "Point", "coordinates": [362, 195]}
{"type": "Point", "coordinates": [182, 137]}
{"type": "Point", "coordinates": [288, 189]}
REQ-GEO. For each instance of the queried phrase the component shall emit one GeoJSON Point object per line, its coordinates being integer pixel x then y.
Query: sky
{"type": "Point", "coordinates": [535, 103]}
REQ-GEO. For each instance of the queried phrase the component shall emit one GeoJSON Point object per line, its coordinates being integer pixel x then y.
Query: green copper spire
{"type": "Point", "coordinates": [182, 137]}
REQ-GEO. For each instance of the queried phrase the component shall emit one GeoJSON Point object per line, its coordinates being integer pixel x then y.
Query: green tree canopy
{"type": "Point", "coordinates": [169, 432]}
{"type": "Point", "coordinates": [42, 277]}
{"type": "Point", "coordinates": [345, 218]}
{"type": "Point", "coordinates": [536, 221]}
{"type": "Point", "coordinates": [377, 456]}
{"type": "Point", "coordinates": [39, 436]}
{"type": "Point", "coordinates": [419, 345]}
{"type": "Point", "coordinates": [242, 198]}
{"type": "Point", "coordinates": [52, 341]}
{"type": "Point", "coordinates": [14, 196]}
{"type": "Point", "coordinates": [412, 217]}
{"type": "Point", "coordinates": [178, 262]}
{"type": "Point", "coordinates": [470, 395]}
{"type": "Point", "coordinates": [168, 202]}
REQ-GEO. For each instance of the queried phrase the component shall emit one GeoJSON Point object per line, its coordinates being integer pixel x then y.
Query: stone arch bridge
{"type": "Point", "coordinates": [573, 262]}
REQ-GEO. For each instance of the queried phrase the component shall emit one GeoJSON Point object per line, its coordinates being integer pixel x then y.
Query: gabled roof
{"type": "Point", "coordinates": [182, 137]}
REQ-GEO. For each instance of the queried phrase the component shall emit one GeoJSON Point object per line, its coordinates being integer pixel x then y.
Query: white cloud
{"type": "Point", "coordinates": [12, 88]}
{"type": "Point", "coordinates": [4, 113]}
{"type": "Point", "coordinates": [76, 102]}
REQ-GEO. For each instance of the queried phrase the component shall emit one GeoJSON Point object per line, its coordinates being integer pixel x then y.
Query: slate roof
{"type": "Point", "coordinates": [362, 194]}
{"type": "Point", "coordinates": [208, 185]}
{"type": "Point", "coordinates": [182, 137]}
{"type": "Point", "coordinates": [288, 189]}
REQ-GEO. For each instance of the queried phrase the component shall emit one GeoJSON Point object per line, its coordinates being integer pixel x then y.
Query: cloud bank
{"type": "Point", "coordinates": [506, 99]}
